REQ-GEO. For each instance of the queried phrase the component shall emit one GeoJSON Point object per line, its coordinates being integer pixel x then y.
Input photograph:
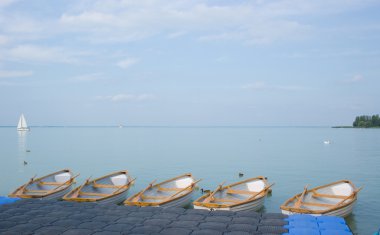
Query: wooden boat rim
{"type": "Point", "coordinates": [84, 199]}
{"type": "Point", "coordinates": [14, 193]}
{"type": "Point", "coordinates": [353, 195]}
{"type": "Point", "coordinates": [216, 205]}
{"type": "Point", "coordinates": [131, 203]}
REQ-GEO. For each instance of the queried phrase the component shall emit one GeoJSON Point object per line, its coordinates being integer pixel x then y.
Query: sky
{"type": "Point", "coordinates": [189, 62]}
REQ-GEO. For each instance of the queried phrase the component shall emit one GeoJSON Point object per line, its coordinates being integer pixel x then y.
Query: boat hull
{"type": "Point", "coordinates": [333, 199]}
{"type": "Point", "coordinates": [175, 192]}
{"type": "Point", "coordinates": [109, 189]}
{"type": "Point", "coordinates": [57, 195]}
{"type": "Point", "coordinates": [250, 206]}
{"type": "Point", "coordinates": [114, 200]}
{"type": "Point", "coordinates": [52, 186]}
{"type": "Point", "coordinates": [341, 212]}
{"type": "Point", "coordinates": [180, 202]}
{"type": "Point", "coordinates": [246, 195]}
{"type": "Point", "coordinates": [111, 200]}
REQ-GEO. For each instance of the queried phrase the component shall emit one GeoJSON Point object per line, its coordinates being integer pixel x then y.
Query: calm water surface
{"type": "Point", "coordinates": [290, 157]}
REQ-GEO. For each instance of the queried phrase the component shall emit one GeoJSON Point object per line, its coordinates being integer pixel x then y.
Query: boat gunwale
{"type": "Point", "coordinates": [328, 210]}
{"type": "Point", "coordinates": [84, 199]}
{"type": "Point", "coordinates": [129, 201]}
{"type": "Point", "coordinates": [218, 205]}
{"type": "Point", "coordinates": [26, 196]}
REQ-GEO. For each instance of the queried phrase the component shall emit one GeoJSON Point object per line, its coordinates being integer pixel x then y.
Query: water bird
{"type": "Point", "coordinates": [205, 190]}
{"type": "Point", "coordinates": [28, 150]}
{"type": "Point", "coordinates": [327, 142]}
{"type": "Point", "coordinates": [25, 163]}
{"type": "Point", "coordinates": [241, 174]}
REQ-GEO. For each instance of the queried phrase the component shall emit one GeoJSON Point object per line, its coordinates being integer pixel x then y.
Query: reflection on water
{"type": "Point", "coordinates": [351, 221]}
{"type": "Point", "coordinates": [22, 149]}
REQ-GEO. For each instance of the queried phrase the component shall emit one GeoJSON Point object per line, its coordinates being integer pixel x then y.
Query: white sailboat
{"type": "Point", "coordinates": [22, 126]}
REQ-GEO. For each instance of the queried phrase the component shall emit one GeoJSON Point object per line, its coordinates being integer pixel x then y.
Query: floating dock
{"type": "Point", "coordinates": [69, 218]}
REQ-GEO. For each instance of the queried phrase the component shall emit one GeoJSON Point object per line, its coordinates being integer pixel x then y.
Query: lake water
{"type": "Point", "coordinates": [290, 157]}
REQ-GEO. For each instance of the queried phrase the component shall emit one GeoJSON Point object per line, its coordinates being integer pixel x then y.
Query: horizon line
{"type": "Point", "coordinates": [134, 126]}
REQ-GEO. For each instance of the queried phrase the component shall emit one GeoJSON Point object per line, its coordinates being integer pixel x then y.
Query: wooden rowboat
{"type": "Point", "coordinates": [175, 192]}
{"type": "Point", "coordinates": [52, 186]}
{"type": "Point", "coordinates": [244, 195]}
{"type": "Point", "coordinates": [111, 188]}
{"type": "Point", "coordinates": [335, 199]}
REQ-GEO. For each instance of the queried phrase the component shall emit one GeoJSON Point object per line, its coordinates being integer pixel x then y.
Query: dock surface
{"type": "Point", "coordinates": [69, 218]}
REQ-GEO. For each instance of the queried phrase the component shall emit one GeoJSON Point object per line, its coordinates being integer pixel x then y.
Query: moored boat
{"type": "Point", "coordinates": [110, 188]}
{"type": "Point", "coordinates": [248, 194]}
{"type": "Point", "coordinates": [52, 186]}
{"type": "Point", "coordinates": [335, 199]}
{"type": "Point", "coordinates": [175, 192]}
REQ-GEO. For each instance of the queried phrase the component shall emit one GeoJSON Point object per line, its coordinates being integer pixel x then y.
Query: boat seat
{"type": "Point", "coordinates": [52, 183]}
{"type": "Point", "coordinates": [226, 200]}
{"type": "Point", "coordinates": [154, 197]}
{"type": "Point", "coordinates": [316, 204]}
{"type": "Point", "coordinates": [38, 191]}
{"type": "Point", "coordinates": [168, 189]}
{"type": "Point", "coordinates": [96, 185]}
{"type": "Point", "coordinates": [94, 194]}
{"type": "Point", "coordinates": [315, 194]}
{"type": "Point", "coordinates": [234, 191]}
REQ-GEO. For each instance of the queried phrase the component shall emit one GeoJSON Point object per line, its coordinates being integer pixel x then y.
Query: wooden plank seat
{"type": "Point", "coordinates": [235, 191]}
{"type": "Point", "coordinates": [96, 185]}
{"type": "Point", "coordinates": [154, 197]}
{"type": "Point", "coordinates": [94, 194]}
{"type": "Point", "coordinates": [316, 204]}
{"type": "Point", "coordinates": [38, 191]}
{"type": "Point", "coordinates": [53, 183]}
{"type": "Point", "coordinates": [315, 194]}
{"type": "Point", "coordinates": [226, 200]}
{"type": "Point", "coordinates": [159, 188]}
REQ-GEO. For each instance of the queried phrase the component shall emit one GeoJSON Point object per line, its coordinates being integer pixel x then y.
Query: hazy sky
{"type": "Point", "coordinates": [189, 62]}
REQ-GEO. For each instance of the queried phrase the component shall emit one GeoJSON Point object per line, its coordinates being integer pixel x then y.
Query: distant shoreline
{"type": "Point", "coordinates": [342, 127]}
{"type": "Point", "coordinates": [355, 127]}
{"type": "Point", "coordinates": [165, 126]}
{"type": "Point", "coordinates": [188, 126]}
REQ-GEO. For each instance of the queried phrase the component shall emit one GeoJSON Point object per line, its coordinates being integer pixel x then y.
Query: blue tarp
{"type": "Point", "coordinates": [320, 225]}
{"type": "Point", "coordinates": [7, 200]}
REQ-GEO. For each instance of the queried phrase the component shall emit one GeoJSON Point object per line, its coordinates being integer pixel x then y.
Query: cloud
{"type": "Point", "coordinates": [177, 34]}
{"type": "Point", "coordinates": [3, 40]}
{"type": "Point", "coordinates": [126, 97]}
{"type": "Point", "coordinates": [125, 64]}
{"type": "Point", "coordinates": [356, 78]}
{"type": "Point", "coordinates": [253, 22]}
{"type": "Point", "coordinates": [243, 22]}
{"type": "Point", "coordinates": [4, 3]}
{"type": "Point", "coordinates": [255, 86]}
{"type": "Point", "coordinates": [32, 53]}
{"type": "Point", "coordinates": [87, 77]}
{"type": "Point", "coordinates": [222, 59]}
{"type": "Point", "coordinates": [12, 74]}
{"type": "Point", "coordinates": [261, 86]}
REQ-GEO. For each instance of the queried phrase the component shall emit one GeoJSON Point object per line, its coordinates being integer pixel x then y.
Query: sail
{"type": "Point", "coordinates": [22, 123]}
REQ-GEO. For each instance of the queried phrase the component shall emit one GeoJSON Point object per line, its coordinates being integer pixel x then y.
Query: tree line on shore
{"type": "Point", "coordinates": [367, 121]}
